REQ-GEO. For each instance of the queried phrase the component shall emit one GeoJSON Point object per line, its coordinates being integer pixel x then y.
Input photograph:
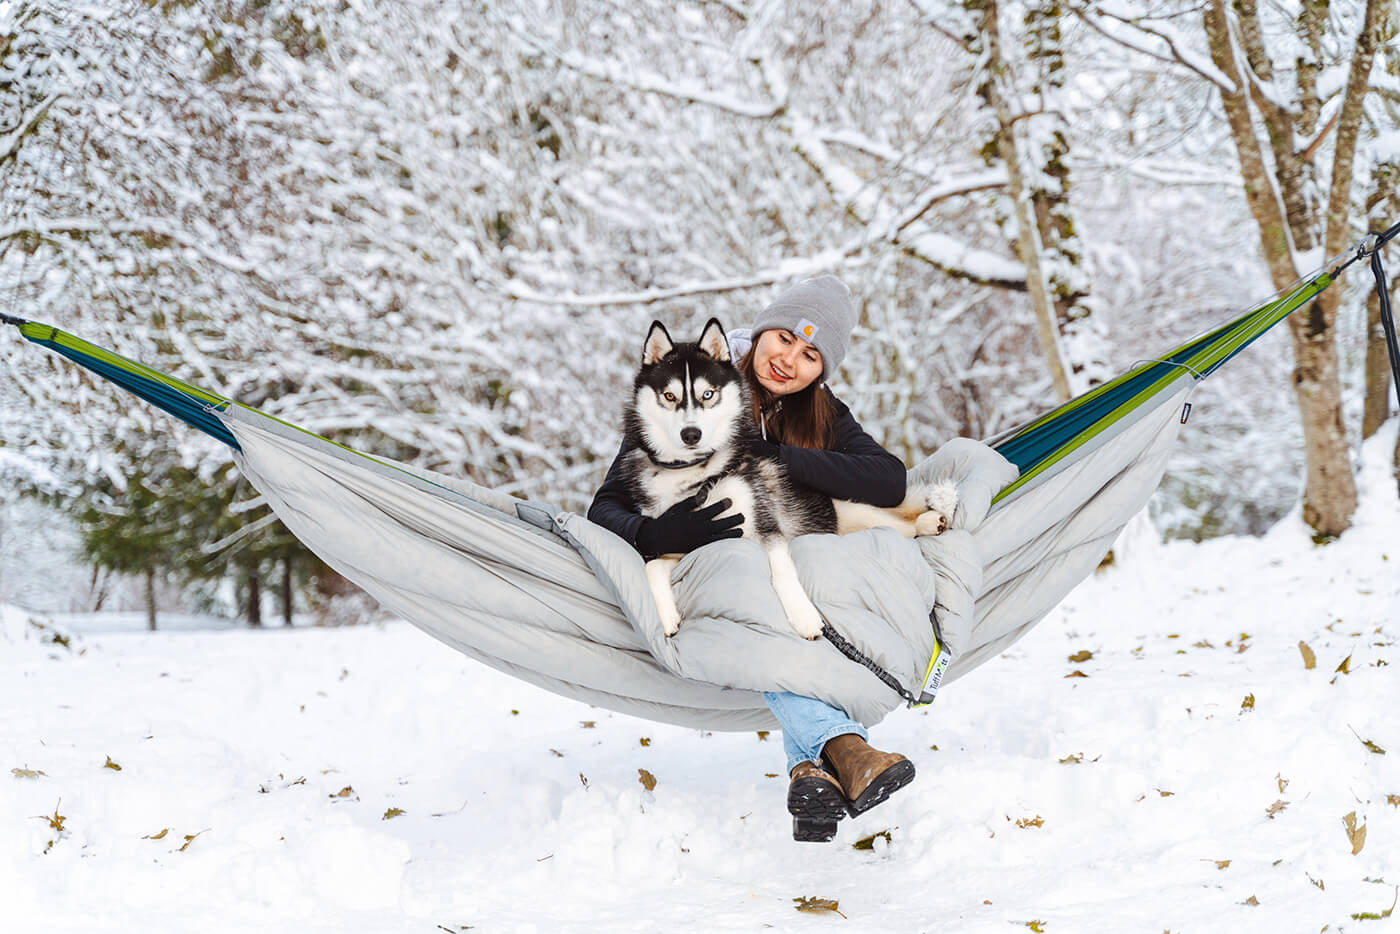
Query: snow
{"type": "Point", "coordinates": [1141, 797]}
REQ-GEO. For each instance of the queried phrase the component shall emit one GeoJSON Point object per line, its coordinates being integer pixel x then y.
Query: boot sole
{"type": "Point", "coordinates": [885, 784]}
{"type": "Point", "coordinates": [815, 805]}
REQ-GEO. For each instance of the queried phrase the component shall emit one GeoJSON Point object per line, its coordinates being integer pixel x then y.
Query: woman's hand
{"type": "Point", "coordinates": [685, 527]}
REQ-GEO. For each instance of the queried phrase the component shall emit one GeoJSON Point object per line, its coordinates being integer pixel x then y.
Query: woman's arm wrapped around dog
{"type": "Point", "coordinates": [613, 506]}
{"type": "Point", "coordinates": [681, 529]}
{"type": "Point", "coordinates": [856, 468]}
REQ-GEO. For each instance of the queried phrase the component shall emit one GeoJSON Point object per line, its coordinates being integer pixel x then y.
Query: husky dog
{"type": "Point", "coordinates": [691, 431]}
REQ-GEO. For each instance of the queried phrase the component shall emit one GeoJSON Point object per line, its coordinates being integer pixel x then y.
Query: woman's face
{"type": "Point", "coordinates": [784, 363]}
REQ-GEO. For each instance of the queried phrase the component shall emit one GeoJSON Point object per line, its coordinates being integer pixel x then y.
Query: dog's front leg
{"type": "Point", "coordinates": [659, 578]}
{"type": "Point", "coordinates": [802, 615]}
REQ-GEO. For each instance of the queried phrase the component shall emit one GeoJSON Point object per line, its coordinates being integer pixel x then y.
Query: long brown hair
{"type": "Point", "coordinates": [805, 419]}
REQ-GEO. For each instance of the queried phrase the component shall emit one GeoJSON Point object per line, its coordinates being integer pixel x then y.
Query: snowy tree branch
{"type": "Point", "coordinates": [1178, 45]}
{"type": "Point", "coordinates": [649, 82]}
{"type": "Point", "coordinates": [147, 226]}
{"type": "Point", "coordinates": [9, 143]}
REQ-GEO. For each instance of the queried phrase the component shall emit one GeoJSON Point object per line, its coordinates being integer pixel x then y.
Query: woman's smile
{"type": "Point", "coordinates": [784, 363]}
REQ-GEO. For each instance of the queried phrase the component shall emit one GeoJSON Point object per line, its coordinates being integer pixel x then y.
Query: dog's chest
{"type": "Point", "coordinates": [665, 488]}
{"type": "Point", "coordinates": [740, 493]}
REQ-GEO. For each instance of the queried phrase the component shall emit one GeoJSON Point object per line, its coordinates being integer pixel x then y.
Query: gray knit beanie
{"type": "Point", "coordinates": [819, 311]}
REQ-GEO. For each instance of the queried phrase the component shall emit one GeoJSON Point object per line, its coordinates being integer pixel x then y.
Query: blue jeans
{"type": "Point", "coordinates": [807, 725]}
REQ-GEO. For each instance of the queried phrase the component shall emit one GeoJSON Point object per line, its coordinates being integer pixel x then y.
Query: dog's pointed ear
{"type": "Point", "coordinates": [658, 344]}
{"type": "Point", "coordinates": [713, 341]}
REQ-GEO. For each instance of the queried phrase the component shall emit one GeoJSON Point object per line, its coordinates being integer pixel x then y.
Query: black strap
{"type": "Point", "coordinates": [11, 319]}
{"type": "Point", "coordinates": [855, 655]}
{"type": "Point", "coordinates": [1392, 345]}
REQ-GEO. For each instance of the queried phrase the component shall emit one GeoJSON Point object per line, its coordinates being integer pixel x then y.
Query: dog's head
{"type": "Point", "coordinates": [688, 399]}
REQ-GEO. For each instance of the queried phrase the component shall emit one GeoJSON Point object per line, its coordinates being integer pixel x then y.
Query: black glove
{"type": "Point", "coordinates": [684, 527]}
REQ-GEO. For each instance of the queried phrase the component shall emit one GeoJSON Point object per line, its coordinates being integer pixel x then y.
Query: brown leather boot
{"type": "Point", "coordinates": [815, 802]}
{"type": "Point", "coordinates": [868, 776]}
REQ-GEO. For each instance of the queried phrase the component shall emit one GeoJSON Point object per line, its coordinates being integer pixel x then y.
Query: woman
{"type": "Point", "coordinates": [794, 345]}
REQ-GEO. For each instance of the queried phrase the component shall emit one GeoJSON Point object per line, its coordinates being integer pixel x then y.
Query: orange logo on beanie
{"type": "Point", "coordinates": [806, 329]}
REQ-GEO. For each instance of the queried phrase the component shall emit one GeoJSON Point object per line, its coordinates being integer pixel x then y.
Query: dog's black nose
{"type": "Point", "coordinates": [690, 435]}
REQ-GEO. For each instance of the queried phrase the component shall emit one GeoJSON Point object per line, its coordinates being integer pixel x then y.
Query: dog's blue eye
{"type": "Point", "coordinates": [708, 395]}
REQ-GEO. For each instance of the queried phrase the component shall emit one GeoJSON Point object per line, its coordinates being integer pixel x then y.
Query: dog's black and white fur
{"type": "Point", "coordinates": [689, 431]}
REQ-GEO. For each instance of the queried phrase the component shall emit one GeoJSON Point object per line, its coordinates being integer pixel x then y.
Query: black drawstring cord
{"type": "Point", "coordinates": [11, 319]}
{"type": "Point", "coordinates": [855, 655]}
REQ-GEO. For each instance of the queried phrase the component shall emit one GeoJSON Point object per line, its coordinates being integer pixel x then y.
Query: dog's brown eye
{"type": "Point", "coordinates": [669, 397]}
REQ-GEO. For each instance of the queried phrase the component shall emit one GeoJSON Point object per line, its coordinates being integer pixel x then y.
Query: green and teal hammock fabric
{"type": "Point", "coordinates": [522, 600]}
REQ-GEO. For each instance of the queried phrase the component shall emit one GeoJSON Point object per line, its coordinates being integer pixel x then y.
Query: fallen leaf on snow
{"type": "Point", "coordinates": [26, 773]}
{"type": "Point", "coordinates": [1356, 834]}
{"type": "Point", "coordinates": [1372, 916]}
{"type": "Point", "coordinates": [647, 779]}
{"type": "Point", "coordinates": [1081, 656]}
{"type": "Point", "coordinates": [1309, 657]}
{"type": "Point", "coordinates": [1276, 807]}
{"type": "Point", "coordinates": [112, 765]}
{"type": "Point", "coordinates": [393, 812]}
{"type": "Point", "coordinates": [818, 905]}
{"type": "Point", "coordinates": [1248, 702]}
{"type": "Point", "coordinates": [868, 843]}
{"type": "Point", "coordinates": [157, 836]}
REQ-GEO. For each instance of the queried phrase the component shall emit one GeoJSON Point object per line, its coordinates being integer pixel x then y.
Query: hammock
{"type": "Point", "coordinates": [522, 599]}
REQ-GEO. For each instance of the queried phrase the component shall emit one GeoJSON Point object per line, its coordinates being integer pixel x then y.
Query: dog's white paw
{"type": "Point", "coordinates": [942, 496]}
{"type": "Point", "coordinates": [930, 523]}
{"type": "Point", "coordinates": [941, 500]}
{"type": "Point", "coordinates": [805, 621]}
{"type": "Point", "coordinates": [670, 622]}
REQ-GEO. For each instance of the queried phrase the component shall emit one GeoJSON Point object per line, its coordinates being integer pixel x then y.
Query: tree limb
{"type": "Point", "coordinates": [1180, 54]}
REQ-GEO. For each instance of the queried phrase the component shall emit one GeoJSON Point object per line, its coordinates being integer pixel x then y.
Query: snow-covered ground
{"type": "Point", "coordinates": [1199, 776]}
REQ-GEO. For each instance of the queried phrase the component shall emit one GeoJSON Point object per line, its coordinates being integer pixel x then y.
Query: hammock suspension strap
{"type": "Point", "coordinates": [1373, 246]}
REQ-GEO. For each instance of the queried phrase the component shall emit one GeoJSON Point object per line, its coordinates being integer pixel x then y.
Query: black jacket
{"type": "Point", "coordinates": [855, 468]}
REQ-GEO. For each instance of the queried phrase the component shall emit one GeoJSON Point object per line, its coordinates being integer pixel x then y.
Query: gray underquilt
{"type": "Point", "coordinates": [877, 588]}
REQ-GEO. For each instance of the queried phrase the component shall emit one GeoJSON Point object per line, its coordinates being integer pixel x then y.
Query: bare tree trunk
{"type": "Point", "coordinates": [1383, 209]}
{"type": "Point", "coordinates": [1378, 394]}
{"type": "Point", "coordinates": [1028, 242]}
{"type": "Point", "coordinates": [254, 598]}
{"type": "Point", "coordinates": [1083, 349]}
{"type": "Point", "coordinates": [287, 591]}
{"type": "Point", "coordinates": [1396, 461]}
{"type": "Point", "coordinates": [151, 599]}
{"type": "Point", "coordinates": [1329, 498]}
